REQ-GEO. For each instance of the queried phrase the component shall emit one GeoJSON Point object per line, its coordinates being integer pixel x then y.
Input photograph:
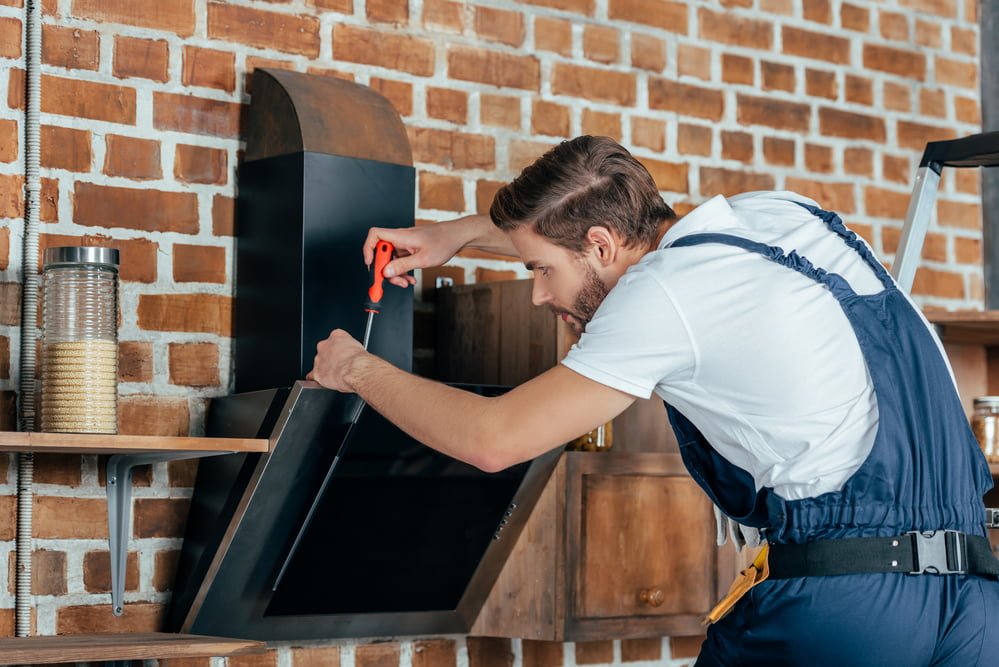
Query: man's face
{"type": "Point", "coordinates": [563, 280]}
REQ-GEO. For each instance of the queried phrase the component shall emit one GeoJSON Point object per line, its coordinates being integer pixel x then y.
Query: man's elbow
{"type": "Point", "coordinates": [497, 453]}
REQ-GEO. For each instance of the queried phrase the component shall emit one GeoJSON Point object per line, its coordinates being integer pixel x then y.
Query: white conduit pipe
{"type": "Point", "coordinates": [29, 311]}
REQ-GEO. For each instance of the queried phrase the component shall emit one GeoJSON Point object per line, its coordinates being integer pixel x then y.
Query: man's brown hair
{"type": "Point", "coordinates": [582, 183]}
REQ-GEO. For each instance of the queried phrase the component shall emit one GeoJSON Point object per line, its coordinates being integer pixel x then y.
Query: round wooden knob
{"type": "Point", "coordinates": [652, 596]}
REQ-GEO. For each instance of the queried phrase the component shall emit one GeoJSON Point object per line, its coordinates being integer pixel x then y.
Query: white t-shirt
{"type": "Point", "coordinates": [760, 358]}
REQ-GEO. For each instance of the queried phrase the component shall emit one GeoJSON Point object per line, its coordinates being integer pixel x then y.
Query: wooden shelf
{"type": "Point", "coordinates": [971, 327]}
{"type": "Point", "coordinates": [80, 443]}
{"type": "Point", "coordinates": [138, 646]}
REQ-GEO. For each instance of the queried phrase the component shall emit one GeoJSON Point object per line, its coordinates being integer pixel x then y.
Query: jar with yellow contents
{"type": "Point", "coordinates": [985, 424]}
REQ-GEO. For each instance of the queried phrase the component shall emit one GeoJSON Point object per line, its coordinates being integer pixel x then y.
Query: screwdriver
{"type": "Point", "coordinates": [383, 255]}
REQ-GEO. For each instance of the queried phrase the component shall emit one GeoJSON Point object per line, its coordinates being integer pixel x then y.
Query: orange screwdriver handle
{"type": "Point", "coordinates": [383, 255]}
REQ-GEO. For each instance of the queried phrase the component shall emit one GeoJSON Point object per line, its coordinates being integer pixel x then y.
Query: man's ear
{"type": "Point", "coordinates": [604, 244]}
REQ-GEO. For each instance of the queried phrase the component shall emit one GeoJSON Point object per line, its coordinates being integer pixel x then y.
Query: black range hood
{"type": "Point", "coordinates": [403, 539]}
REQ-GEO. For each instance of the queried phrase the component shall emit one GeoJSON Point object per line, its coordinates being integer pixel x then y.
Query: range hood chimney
{"type": "Point", "coordinates": [403, 539]}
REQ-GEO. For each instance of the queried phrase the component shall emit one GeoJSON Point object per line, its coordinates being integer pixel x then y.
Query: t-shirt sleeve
{"type": "Point", "coordinates": [636, 339]}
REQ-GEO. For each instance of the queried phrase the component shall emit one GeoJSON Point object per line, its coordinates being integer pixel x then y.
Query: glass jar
{"type": "Point", "coordinates": [985, 424]}
{"type": "Point", "coordinates": [80, 340]}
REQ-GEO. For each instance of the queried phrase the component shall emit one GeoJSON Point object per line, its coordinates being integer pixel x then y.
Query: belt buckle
{"type": "Point", "coordinates": [936, 551]}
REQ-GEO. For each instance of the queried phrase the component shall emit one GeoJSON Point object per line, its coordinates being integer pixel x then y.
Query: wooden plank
{"type": "Point", "coordinates": [90, 443]}
{"type": "Point", "coordinates": [137, 646]}
{"type": "Point", "coordinates": [970, 371]}
{"type": "Point", "coordinates": [974, 327]}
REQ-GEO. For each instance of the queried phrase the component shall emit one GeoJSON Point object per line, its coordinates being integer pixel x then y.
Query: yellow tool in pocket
{"type": "Point", "coordinates": [752, 575]}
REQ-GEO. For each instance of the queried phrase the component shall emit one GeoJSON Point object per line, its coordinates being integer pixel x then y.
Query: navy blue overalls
{"type": "Point", "coordinates": [925, 472]}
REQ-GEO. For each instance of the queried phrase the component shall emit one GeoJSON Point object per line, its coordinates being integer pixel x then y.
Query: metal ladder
{"type": "Point", "coordinates": [977, 150]}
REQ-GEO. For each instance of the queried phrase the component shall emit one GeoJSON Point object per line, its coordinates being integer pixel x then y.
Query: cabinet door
{"type": "Point", "coordinates": [644, 555]}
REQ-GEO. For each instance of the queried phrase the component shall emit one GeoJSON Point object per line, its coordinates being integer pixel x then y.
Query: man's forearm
{"type": "Point", "coordinates": [484, 235]}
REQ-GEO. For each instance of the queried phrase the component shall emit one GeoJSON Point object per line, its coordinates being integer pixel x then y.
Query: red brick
{"type": "Point", "coordinates": [493, 67]}
{"type": "Point", "coordinates": [485, 191]}
{"type": "Point", "coordinates": [967, 180]}
{"type": "Point", "coordinates": [737, 146]}
{"type": "Point", "coordinates": [837, 123]}
{"type": "Point", "coordinates": [837, 197]}
{"type": "Point", "coordinates": [816, 45]}
{"type": "Point", "coordinates": [594, 84]}
{"type": "Point", "coordinates": [387, 11]}
{"type": "Point", "coordinates": [963, 40]}
{"type": "Point", "coordinates": [958, 214]}
{"type": "Point", "coordinates": [785, 7]}
{"type": "Point", "coordinates": [777, 76]}
{"type": "Point", "coordinates": [859, 90]}
{"type": "Point", "coordinates": [499, 25]}
{"type": "Point", "coordinates": [550, 118]}
{"type": "Point", "coordinates": [137, 617]}
{"type": "Point", "coordinates": [729, 182]}
{"type": "Point", "coordinates": [664, 14]}
{"type": "Point", "coordinates": [398, 93]}
{"type": "Point", "coordinates": [209, 68]}
{"type": "Point", "coordinates": [897, 97]}
{"type": "Point", "coordinates": [68, 47]}
{"type": "Point", "coordinates": [819, 83]}
{"type": "Point", "coordinates": [434, 653]}
{"type": "Point", "coordinates": [194, 364]}
{"type": "Point", "coordinates": [147, 210]}
{"type": "Point", "coordinates": [945, 8]}
{"type": "Point", "coordinates": [648, 52]}
{"type": "Point", "coordinates": [268, 30]}
{"type": "Point", "coordinates": [728, 28]}
{"type": "Point", "coordinates": [97, 572]}
{"type": "Point", "coordinates": [933, 102]}
{"type": "Point", "coordinates": [956, 73]}
{"type": "Point", "coordinates": [8, 517]}
{"type": "Point", "coordinates": [881, 203]}
{"type": "Point", "coordinates": [944, 284]}
{"type": "Point", "coordinates": [635, 650]}
{"type": "Point", "coordinates": [819, 11]}
{"type": "Point", "coordinates": [859, 161]}
{"type": "Point", "coordinates": [856, 18]}
{"type": "Point", "coordinates": [894, 26]}
{"type": "Point", "coordinates": [165, 564]}
{"type": "Point", "coordinates": [685, 99]}
{"type": "Point", "coordinates": [376, 655]}
{"type": "Point", "coordinates": [967, 110]}
{"type": "Point", "coordinates": [266, 659]}
{"type": "Point", "coordinates": [383, 49]}
{"type": "Point", "coordinates": [685, 647]}
{"type": "Point", "coordinates": [60, 469]}
{"type": "Point", "coordinates": [968, 251]}
{"type": "Point", "coordinates": [971, 13]}
{"type": "Point", "coordinates": [483, 275]}
{"type": "Point", "coordinates": [11, 196]}
{"type": "Point", "coordinates": [554, 35]}
{"type": "Point", "coordinates": [904, 63]}
{"type": "Point", "coordinates": [443, 193]}
{"type": "Point", "coordinates": [693, 139]}
{"type": "Point", "coordinates": [64, 148]}
{"type": "Point", "coordinates": [499, 111]}
{"type": "Point", "coordinates": [601, 124]}
{"type": "Point", "coordinates": [668, 176]}
{"type": "Point", "coordinates": [59, 517]}
{"type": "Point", "coordinates": [10, 304]}
{"type": "Point", "coordinates": [77, 98]}
{"type": "Point", "coordinates": [195, 115]}
{"type": "Point", "coordinates": [578, 6]}
{"type": "Point", "coordinates": [135, 361]}
{"type": "Point", "coordinates": [934, 245]}
{"type": "Point", "coordinates": [648, 133]}
{"type": "Point", "coordinates": [738, 69]}
{"type": "Point", "coordinates": [204, 313]}
{"type": "Point", "coordinates": [182, 473]}
{"type": "Point", "coordinates": [693, 61]}
{"type": "Point", "coordinates": [594, 652]}
{"type": "Point", "coordinates": [152, 415]}
{"type": "Point", "coordinates": [223, 215]}
{"type": "Point", "coordinates": [10, 37]}
{"type": "Point", "coordinates": [132, 158]}
{"type": "Point", "coordinates": [48, 572]}
{"type": "Point", "coordinates": [917, 135]}
{"type": "Point", "coordinates": [444, 14]}
{"type": "Point", "coordinates": [455, 150]}
{"type": "Point", "coordinates": [174, 16]}
{"type": "Point", "coordinates": [200, 164]}
{"type": "Point", "coordinates": [788, 116]}
{"type": "Point", "coordinates": [489, 652]}
{"type": "Point", "coordinates": [142, 58]}
{"type": "Point", "coordinates": [198, 264]}
{"type": "Point", "coordinates": [323, 656]}
{"type": "Point", "coordinates": [523, 153]}
{"type": "Point", "coordinates": [10, 138]}
{"type": "Point", "coordinates": [137, 256]}
{"type": "Point", "coordinates": [928, 33]}
{"type": "Point", "coordinates": [778, 152]}
{"type": "Point", "coordinates": [4, 254]}
{"type": "Point", "coordinates": [601, 44]}
{"type": "Point", "coordinates": [447, 104]}
{"type": "Point", "coordinates": [253, 62]}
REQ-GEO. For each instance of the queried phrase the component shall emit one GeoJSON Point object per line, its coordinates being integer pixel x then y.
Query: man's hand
{"type": "Point", "coordinates": [333, 360]}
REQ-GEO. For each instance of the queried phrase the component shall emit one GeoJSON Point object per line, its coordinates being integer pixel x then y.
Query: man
{"type": "Point", "coordinates": [809, 396]}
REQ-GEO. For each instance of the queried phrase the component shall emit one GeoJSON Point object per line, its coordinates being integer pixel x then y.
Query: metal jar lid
{"type": "Point", "coordinates": [76, 255]}
{"type": "Point", "coordinates": [986, 402]}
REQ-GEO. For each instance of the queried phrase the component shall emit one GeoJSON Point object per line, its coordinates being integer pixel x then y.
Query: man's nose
{"type": "Point", "coordinates": [539, 295]}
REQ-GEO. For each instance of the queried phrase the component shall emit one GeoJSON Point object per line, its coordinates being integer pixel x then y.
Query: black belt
{"type": "Point", "coordinates": [934, 552]}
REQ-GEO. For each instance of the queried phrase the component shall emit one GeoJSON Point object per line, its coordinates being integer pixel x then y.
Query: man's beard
{"type": "Point", "coordinates": [587, 301]}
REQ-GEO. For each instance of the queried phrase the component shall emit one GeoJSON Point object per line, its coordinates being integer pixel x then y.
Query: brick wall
{"type": "Point", "coordinates": [141, 118]}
